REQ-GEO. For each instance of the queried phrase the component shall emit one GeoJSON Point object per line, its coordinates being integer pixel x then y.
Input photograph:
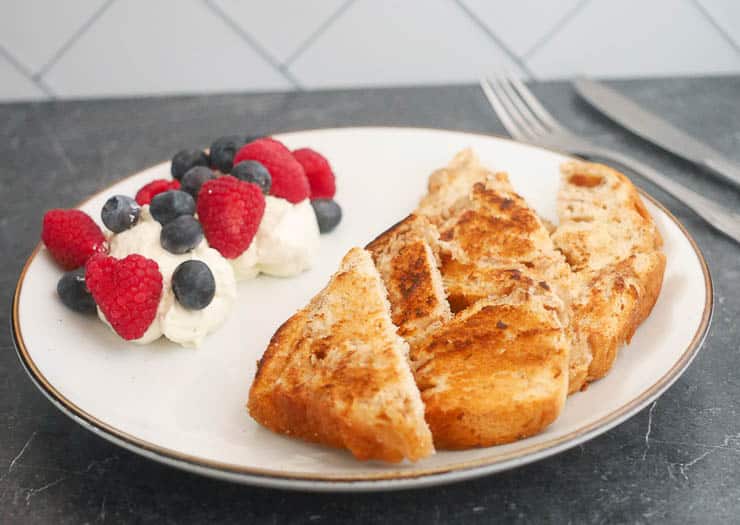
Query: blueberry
{"type": "Point", "coordinates": [328, 214]}
{"type": "Point", "coordinates": [253, 171]}
{"type": "Point", "coordinates": [120, 213]}
{"type": "Point", "coordinates": [74, 294]}
{"type": "Point", "coordinates": [181, 235]}
{"type": "Point", "coordinates": [186, 159]}
{"type": "Point", "coordinates": [194, 285]}
{"type": "Point", "coordinates": [223, 150]}
{"type": "Point", "coordinates": [194, 179]}
{"type": "Point", "coordinates": [169, 205]}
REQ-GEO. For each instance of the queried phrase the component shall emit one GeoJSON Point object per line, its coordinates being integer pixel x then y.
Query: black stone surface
{"type": "Point", "coordinates": [677, 461]}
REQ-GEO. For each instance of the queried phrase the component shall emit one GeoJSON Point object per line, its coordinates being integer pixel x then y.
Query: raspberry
{"type": "Point", "coordinates": [288, 178]}
{"type": "Point", "coordinates": [148, 191]}
{"type": "Point", "coordinates": [71, 237]}
{"type": "Point", "coordinates": [276, 143]}
{"type": "Point", "coordinates": [127, 291]}
{"type": "Point", "coordinates": [319, 174]}
{"type": "Point", "coordinates": [230, 211]}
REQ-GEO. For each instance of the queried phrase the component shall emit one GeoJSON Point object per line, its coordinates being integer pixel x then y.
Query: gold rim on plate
{"type": "Point", "coordinates": [275, 477]}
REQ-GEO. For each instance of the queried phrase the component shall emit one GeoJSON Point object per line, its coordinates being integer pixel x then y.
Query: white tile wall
{"type": "Point", "coordinates": [726, 15]}
{"type": "Point", "coordinates": [34, 30]}
{"type": "Point", "coordinates": [142, 46]}
{"type": "Point", "coordinates": [15, 85]}
{"type": "Point", "coordinates": [631, 37]}
{"type": "Point", "coordinates": [522, 24]}
{"type": "Point", "coordinates": [281, 35]}
{"type": "Point", "coordinates": [94, 48]}
{"type": "Point", "coordinates": [380, 42]}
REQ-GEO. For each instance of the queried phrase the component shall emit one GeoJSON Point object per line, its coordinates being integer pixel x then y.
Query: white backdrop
{"type": "Point", "coordinates": [96, 48]}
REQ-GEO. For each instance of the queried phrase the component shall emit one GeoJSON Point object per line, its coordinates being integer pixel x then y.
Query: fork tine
{"type": "Point", "coordinates": [506, 114]}
{"type": "Point", "coordinates": [525, 112]}
{"type": "Point", "coordinates": [501, 111]}
{"type": "Point", "coordinates": [534, 104]}
{"type": "Point", "coordinates": [515, 113]}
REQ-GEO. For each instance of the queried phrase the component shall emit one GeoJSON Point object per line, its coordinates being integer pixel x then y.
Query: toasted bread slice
{"type": "Point", "coordinates": [337, 373]}
{"type": "Point", "coordinates": [613, 246]}
{"type": "Point", "coordinates": [487, 405]}
{"type": "Point", "coordinates": [406, 260]}
{"type": "Point", "coordinates": [495, 373]}
{"type": "Point", "coordinates": [492, 242]}
{"type": "Point", "coordinates": [449, 187]}
{"type": "Point", "coordinates": [602, 218]}
{"type": "Point", "coordinates": [483, 223]}
{"type": "Point", "coordinates": [499, 230]}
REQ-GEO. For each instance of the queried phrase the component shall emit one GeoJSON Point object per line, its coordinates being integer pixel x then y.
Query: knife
{"type": "Point", "coordinates": [656, 130]}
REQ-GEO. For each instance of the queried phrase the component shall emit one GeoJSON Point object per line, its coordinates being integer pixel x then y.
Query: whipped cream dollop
{"type": "Point", "coordinates": [187, 327]}
{"type": "Point", "coordinates": [286, 243]}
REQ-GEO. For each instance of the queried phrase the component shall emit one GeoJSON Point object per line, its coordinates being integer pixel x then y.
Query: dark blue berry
{"type": "Point", "coordinates": [194, 285]}
{"type": "Point", "coordinates": [194, 179]}
{"type": "Point", "coordinates": [186, 159]}
{"type": "Point", "coordinates": [181, 235]}
{"type": "Point", "coordinates": [255, 172]}
{"type": "Point", "coordinates": [222, 152]}
{"type": "Point", "coordinates": [169, 205]}
{"type": "Point", "coordinates": [74, 294]}
{"type": "Point", "coordinates": [328, 214]}
{"type": "Point", "coordinates": [120, 213]}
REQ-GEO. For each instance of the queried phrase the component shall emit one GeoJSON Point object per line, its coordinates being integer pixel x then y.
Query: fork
{"type": "Point", "coordinates": [527, 120]}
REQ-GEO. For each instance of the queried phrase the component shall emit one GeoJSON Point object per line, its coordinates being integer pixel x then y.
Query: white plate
{"type": "Point", "coordinates": [185, 407]}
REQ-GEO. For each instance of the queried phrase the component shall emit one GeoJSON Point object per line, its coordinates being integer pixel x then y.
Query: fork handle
{"type": "Point", "coordinates": [723, 219]}
{"type": "Point", "coordinates": [724, 168]}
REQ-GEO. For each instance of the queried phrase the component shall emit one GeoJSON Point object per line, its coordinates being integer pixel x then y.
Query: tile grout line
{"type": "Point", "coordinates": [559, 25]}
{"type": "Point", "coordinates": [496, 40]}
{"type": "Point", "coordinates": [251, 42]}
{"type": "Point", "coordinates": [23, 70]}
{"type": "Point", "coordinates": [72, 39]}
{"type": "Point", "coordinates": [317, 33]}
{"type": "Point", "coordinates": [703, 10]}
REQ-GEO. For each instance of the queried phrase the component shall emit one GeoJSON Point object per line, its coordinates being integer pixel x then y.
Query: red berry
{"type": "Point", "coordinates": [275, 142]}
{"type": "Point", "coordinates": [319, 173]}
{"type": "Point", "coordinates": [127, 291]}
{"type": "Point", "coordinates": [288, 178]}
{"type": "Point", "coordinates": [230, 211]}
{"type": "Point", "coordinates": [148, 191]}
{"type": "Point", "coordinates": [71, 237]}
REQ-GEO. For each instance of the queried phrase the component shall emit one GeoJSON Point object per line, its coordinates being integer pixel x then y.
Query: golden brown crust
{"type": "Point", "coordinates": [613, 245]}
{"type": "Point", "coordinates": [603, 221]}
{"type": "Point", "coordinates": [496, 373]}
{"type": "Point", "coordinates": [449, 187]}
{"type": "Point", "coordinates": [494, 243]}
{"type": "Point", "coordinates": [492, 247]}
{"type": "Point", "coordinates": [617, 301]}
{"type": "Point", "coordinates": [407, 264]}
{"type": "Point", "coordinates": [499, 230]}
{"type": "Point", "coordinates": [336, 373]}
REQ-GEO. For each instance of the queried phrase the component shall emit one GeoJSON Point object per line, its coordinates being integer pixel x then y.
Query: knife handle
{"type": "Point", "coordinates": [724, 168]}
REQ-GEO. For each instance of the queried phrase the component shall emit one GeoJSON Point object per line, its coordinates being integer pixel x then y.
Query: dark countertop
{"type": "Point", "coordinates": [678, 460]}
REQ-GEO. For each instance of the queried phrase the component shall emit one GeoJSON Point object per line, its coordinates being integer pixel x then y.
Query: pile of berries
{"type": "Point", "coordinates": [268, 163]}
{"type": "Point", "coordinates": [225, 187]}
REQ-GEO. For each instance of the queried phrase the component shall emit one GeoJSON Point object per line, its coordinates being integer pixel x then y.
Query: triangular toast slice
{"type": "Point", "coordinates": [406, 259]}
{"type": "Point", "coordinates": [492, 243]}
{"type": "Point", "coordinates": [614, 248]}
{"type": "Point", "coordinates": [337, 372]}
